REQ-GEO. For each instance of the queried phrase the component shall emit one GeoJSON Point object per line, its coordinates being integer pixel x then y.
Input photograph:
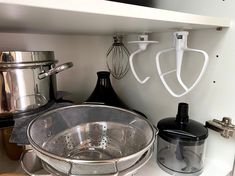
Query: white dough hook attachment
{"type": "Point", "coordinates": [180, 45]}
{"type": "Point", "coordinates": [142, 43]}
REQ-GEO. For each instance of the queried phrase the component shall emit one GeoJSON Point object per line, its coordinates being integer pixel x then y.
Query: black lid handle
{"type": "Point", "coordinates": [182, 114]}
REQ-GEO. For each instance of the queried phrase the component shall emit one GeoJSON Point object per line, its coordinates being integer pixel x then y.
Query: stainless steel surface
{"type": "Point", "coordinates": [129, 171]}
{"type": "Point", "coordinates": [21, 90]}
{"type": "Point", "coordinates": [224, 127]}
{"type": "Point", "coordinates": [26, 57]}
{"type": "Point", "coordinates": [93, 139]}
{"type": "Point", "coordinates": [31, 164]}
{"type": "Point", "coordinates": [7, 66]}
{"type": "Point", "coordinates": [117, 58]}
{"type": "Point", "coordinates": [20, 86]}
{"type": "Point", "coordinates": [55, 70]}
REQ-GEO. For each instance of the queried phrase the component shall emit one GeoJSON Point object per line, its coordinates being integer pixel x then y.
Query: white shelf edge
{"type": "Point", "coordinates": [124, 11]}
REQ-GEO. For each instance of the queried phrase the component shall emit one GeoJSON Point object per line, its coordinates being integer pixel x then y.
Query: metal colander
{"type": "Point", "coordinates": [90, 139]}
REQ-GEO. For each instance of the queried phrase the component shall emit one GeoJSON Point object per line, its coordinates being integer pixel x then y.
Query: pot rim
{"type": "Point", "coordinates": [21, 57]}
{"type": "Point", "coordinates": [26, 64]}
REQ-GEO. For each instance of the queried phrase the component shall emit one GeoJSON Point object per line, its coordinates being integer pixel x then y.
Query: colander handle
{"type": "Point", "coordinates": [134, 169]}
{"type": "Point", "coordinates": [112, 174]}
{"type": "Point", "coordinates": [116, 174]}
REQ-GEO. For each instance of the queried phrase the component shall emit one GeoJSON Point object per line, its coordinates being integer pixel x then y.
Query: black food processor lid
{"type": "Point", "coordinates": [182, 128]}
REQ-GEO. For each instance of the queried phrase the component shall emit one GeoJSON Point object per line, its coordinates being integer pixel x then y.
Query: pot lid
{"type": "Point", "coordinates": [23, 57]}
{"type": "Point", "coordinates": [182, 128]}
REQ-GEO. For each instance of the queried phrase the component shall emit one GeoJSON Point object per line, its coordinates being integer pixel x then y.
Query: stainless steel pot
{"type": "Point", "coordinates": [27, 80]}
{"type": "Point", "coordinates": [90, 139]}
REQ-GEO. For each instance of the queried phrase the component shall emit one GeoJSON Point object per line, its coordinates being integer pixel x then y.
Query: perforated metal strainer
{"type": "Point", "coordinates": [90, 139]}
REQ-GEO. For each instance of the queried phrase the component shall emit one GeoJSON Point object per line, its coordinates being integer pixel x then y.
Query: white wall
{"type": "Point", "coordinates": [220, 8]}
{"type": "Point", "coordinates": [218, 98]}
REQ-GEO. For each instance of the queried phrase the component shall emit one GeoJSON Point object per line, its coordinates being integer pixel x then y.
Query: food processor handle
{"type": "Point", "coordinates": [182, 117]}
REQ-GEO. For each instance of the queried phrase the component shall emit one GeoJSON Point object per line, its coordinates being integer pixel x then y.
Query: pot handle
{"type": "Point", "coordinates": [55, 70]}
{"type": "Point", "coordinates": [33, 158]}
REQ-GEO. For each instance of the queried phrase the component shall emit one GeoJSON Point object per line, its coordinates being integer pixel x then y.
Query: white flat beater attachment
{"type": "Point", "coordinates": [180, 45]}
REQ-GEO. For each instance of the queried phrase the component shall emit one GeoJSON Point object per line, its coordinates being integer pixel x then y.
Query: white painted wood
{"type": "Point", "coordinates": [95, 17]}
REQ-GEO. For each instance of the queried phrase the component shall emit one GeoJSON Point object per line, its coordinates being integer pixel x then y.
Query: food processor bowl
{"type": "Point", "coordinates": [181, 144]}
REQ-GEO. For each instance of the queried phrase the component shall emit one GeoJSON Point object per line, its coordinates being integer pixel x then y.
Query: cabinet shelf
{"type": "Point", "coordinates": [95, 17]}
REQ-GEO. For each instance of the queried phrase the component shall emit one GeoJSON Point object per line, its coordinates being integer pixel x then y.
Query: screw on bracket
{"type": "Point", "coordinates": [219, 28]}
{"type": "Point", "coordinates": [224, 127]}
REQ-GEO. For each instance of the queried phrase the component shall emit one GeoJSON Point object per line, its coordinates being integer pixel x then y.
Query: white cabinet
{"type": "Point", "coordinates": [81, 31]}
